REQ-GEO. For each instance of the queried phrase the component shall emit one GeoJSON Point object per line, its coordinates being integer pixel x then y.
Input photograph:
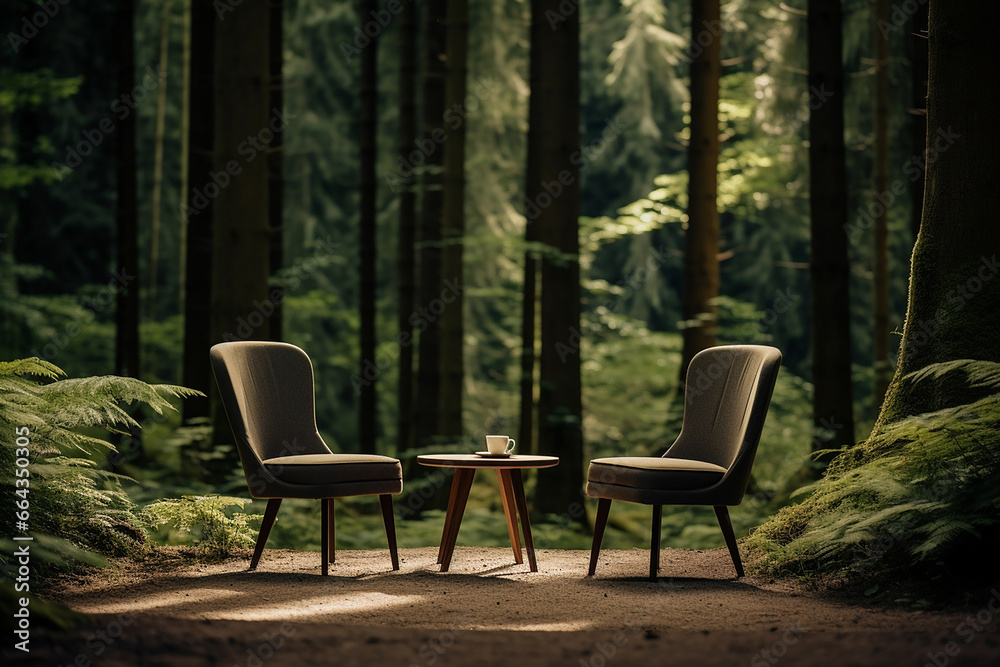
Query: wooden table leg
{"type": "Point", "coordinates": [448, 516]}
{"type": "Point", "coordinates": [510, 511]}
{"type": "Point", "coordinates": [463, 478]}
{"type": "Point", "coordinates": [522, 509]}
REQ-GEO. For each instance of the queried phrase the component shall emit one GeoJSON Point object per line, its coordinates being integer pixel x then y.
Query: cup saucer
{"type": "Point", "coordinates": [488, 455]}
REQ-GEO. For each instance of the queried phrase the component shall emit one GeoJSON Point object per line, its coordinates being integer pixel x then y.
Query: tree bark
{"type": "Point", "coordinates": [954, 298]}
{"type": "Point", "coordinates": [426, 418]}
{"type": "Point", "coordinates": [880, 337]}
{"type": "Point", "coordinates": [453, 222]}
{"type": "Point", "coordinates": [701, 240]}
{"type": "Point", "coordinates": [199, 211]}
{"type": "Point", "coordinates": [552, 186]}
{"type": "Point", "coordinates": [918, 122]}
{"type": "Point", "coordinates": [127, 209]}
{"type": "Point", "coordinates": [829, 268]}
{"type": "Point", "coordinates": [241, 233]}
{"type": "Point", "coordinates": [368, 123]}
{"type": "Point", "coordinates": [161, 128]}
{"type": "Point", "coordinates": [275, 167]}
{"type": "Point", "coordinates": [405, 258]}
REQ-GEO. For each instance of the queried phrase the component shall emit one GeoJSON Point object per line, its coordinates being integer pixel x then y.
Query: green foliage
{"type": "Point", "coordinates": [205, 522]}
{"type": "Point", "coordinates": [919, 500]}
{"type": "Point", "coordinates": [70, 499]}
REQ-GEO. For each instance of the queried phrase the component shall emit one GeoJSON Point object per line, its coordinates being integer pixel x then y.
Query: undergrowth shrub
{"type": "Point", "coordinates": [76, 512]}
{"type": "Point", "coordinates": [919, 501]}
{"type": "Point", "coordinates": [204, 522]}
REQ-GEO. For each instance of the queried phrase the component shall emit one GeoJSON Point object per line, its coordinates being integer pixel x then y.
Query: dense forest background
{"type": "Point", "coordinates": [62, 106]}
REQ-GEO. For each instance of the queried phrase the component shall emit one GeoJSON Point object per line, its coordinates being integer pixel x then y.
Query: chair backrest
{"type": "Point", "coordinates": [727, 394]}
{"type": "Point", "coordinates": [267, 390]}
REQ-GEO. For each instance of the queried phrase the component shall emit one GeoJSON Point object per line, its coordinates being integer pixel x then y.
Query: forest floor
{"type": "Point", "coordinates": [175, 610]}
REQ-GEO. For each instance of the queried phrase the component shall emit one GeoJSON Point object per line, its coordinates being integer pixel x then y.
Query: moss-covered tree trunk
{"type": "Point", "coordinates": [954, 299]}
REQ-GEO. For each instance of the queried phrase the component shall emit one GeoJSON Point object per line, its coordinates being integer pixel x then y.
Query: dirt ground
{"type": "Point", "coordinates": [489, 611]}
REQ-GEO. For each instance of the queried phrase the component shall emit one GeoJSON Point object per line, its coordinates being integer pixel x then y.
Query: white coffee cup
{"type": "Point", "coordinates": [499, 444]}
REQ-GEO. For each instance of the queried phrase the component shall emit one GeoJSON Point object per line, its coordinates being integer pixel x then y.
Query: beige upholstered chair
{"type": "Point", "coordinates": [727, 395]}
{"type": "Point", "coordinates": [267, 391]}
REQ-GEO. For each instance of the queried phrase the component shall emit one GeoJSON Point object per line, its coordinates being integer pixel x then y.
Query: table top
{"type": "Point", "coordinates": [474, 461]}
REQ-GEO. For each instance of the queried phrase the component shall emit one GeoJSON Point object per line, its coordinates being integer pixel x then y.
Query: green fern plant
{"type": "Point", "coordinates": [919, 499]}
{"type": "Point", "coordinates": [71, 500]}
{"type": "Point", "coordinates": [204, 521]}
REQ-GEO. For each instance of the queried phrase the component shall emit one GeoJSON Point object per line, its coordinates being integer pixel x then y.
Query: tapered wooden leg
{"type": "Point", "coordinates": [463, 478]}
{"type": "Point", "coordinates": [324, 538]}
{"type": "Point", "coordinates": [654, 542]}
{"type": "Point", "coordinates": [390, 528]}
{"type": "Point", "coordinates": [522, 509]}
{"type": "Point", "coordinates": [722, 514]}
{"type": "Point", "coordinates": [603, 506]}
{"type": "Point", "coordinates": [270, 512]}
{"type": "Point", "coordinates": [448, 517]}
{"type": "Point", "coordinates": [332, 538]}
{"type": "Point", "coordinates": [510, 511]}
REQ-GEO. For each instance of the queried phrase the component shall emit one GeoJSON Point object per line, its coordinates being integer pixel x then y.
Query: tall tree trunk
{"type": "Point", "coordinates": [918, 122]}
{"type": "Point", "coordinates": [275, 167]}
{"type": "Point", "coordinates": [185, 152]}
{"type": "Point", "coordinates": [426, 417]}
{"type": "Point", "coordinates": [241, 230]}
{"type": "Point", "coordinates": [553, 186]}
{"type": "Point", "coordinates": [368, 120]}
{"type": "Point", "coordinates": [199, 210]}
{"type": "Point", "coordinates": [527, 434]}
{"type": "Point", "coordinates": [453, 224]}
{"type": "Point", "coordinates": [831, 339]}
{"type": "Point", "coordinates": [954, 299]}
{"type": "Point", "coordinates": [127, 210]}
{"type": "Point", "coordinates": [161, 130]}
{"type": "Point", "coordinates": [883, 369]}
{"type": "Point", "coordinates": [407, 224]}
{"type": "Point", "coordinates": [701, 240]}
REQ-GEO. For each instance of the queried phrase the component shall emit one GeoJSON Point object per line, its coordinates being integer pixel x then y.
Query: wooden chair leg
{"type": "Point", "coordinates": [722, 514]}
{"type": "Point", "coordinates": [390, 528]}
{"type": "Point", "coordinates": [332, 537]}
{"type": "Point", "coordinates": [324, 539]}
{"type": "Point", "coordinates": [603, 507]}
{"type": "Point", "coordinates": [270, 512]}
{"type": "Point", "coordinates": [654, 542]}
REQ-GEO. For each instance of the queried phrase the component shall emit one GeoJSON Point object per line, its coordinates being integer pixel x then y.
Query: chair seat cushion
{"type": "Point", "coordinates": [654, 472]}
{"type": "Point", "coordinates": [333, 468]}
